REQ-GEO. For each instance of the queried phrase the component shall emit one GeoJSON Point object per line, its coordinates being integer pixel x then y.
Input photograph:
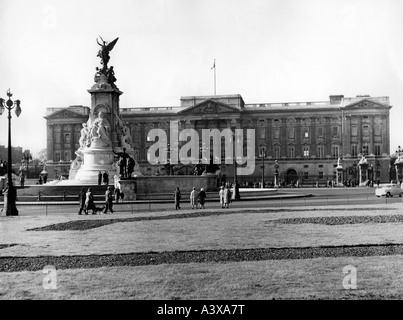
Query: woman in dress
{"type": "Point", "coordinates": [89, 202]}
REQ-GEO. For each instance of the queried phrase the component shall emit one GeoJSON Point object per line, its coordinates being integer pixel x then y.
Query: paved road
{"type": "Point", "coordinates": [319, 198]}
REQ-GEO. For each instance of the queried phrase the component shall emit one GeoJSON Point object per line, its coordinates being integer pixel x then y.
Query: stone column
{"type": "Point", "coordinates": [298, 138]}
{"type": "Point", "coordinates": [347, 136]}
{"type": "Point", "coordinates": [283, 138]}
{"type": "Point", "coordinates": [359, 135]}
{"type": "Point", "coordinates": [312, 133]}
{"type": "Point", "coordinates": [371, 136]}
{"type": "Point", "coordinates": [50, 143]}
{"type": "Point", "coordinates": [328, 138]}
{"type": "Point", "coordinates": [387, 133]}
{"type": "Point", "coordinates": [62, 142]}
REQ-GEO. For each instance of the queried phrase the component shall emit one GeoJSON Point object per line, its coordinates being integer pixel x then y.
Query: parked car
{"type": "Point", "coordinates": [389, 190]}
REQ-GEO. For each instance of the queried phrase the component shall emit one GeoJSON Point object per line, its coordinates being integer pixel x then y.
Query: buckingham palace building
{"type": "Point", "coordinates": [301, 142]}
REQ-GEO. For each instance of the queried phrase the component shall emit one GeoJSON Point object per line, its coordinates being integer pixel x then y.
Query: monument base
{"type": "Point", "coordinates": [146, 186]}
{"type": "Point", "coordinates": [95, 160]}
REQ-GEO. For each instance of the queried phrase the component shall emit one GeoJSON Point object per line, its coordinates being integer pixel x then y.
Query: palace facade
{"type": "Point", "coordinates": [304, 139]}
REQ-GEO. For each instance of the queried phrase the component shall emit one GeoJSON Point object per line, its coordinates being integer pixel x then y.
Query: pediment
{"type": "Point", "coordinates": [64, 114]}
{"type": "Point", "coordinates": [209, 107]}
{"type": "Point", "coordinates": [366, 104]}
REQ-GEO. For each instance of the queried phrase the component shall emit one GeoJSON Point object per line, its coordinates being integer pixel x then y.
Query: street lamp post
{"type": "Point", "coordinates": [10, 193]}
{"type": "Point", "coordinates": [262, 155]}
{"type": "Point", "coordinates": [26, 156]}
{"type": "Point", "coordinates": [168, 166]}
{"type": "Point", "coordinates": [236, 195]}
{"type": "Point", "coordinates": [157, 163]}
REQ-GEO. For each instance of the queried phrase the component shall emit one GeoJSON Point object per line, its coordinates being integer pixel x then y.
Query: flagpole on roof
{"type": "Point", "coordinates": [215, 83]}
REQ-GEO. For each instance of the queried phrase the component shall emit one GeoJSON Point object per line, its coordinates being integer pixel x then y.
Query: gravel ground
{"type": "Point", "coordinates": [13, 264]}
{"type": "Point", "coordinates": [333, 221]}
{"type": "Point", "coordinates": [2, 246]}
{"type": "Point", "coordinates": [95, 223]}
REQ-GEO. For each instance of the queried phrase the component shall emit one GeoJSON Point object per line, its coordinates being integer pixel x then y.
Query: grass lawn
{"type": "Point", "coordinates": [320, 278]}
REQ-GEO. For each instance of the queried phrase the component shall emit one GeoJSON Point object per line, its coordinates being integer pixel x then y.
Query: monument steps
{"type": "Point", "coordinates": [68, 193]}
{"type": "Point", "coordinates": [57, 192]}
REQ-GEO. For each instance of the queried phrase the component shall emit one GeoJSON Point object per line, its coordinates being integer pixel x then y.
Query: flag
{"type": "Point", "coordinates": [213, 65]}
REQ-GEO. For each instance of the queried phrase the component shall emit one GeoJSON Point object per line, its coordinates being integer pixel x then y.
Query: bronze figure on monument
{"type": "Point", "coordinates": [103, 53]}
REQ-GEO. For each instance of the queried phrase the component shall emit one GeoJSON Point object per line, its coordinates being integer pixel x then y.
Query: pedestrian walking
{"type": "Point", "coordinates": [22, 179]}
{"type": "Point", "coordinates": [193, 198]}
{"type": "Point", "coordinates": [227, 197]}
{"type": "Point", "coordinates": [81, 199]}
{"type": "Point", "coordinates": [221, 195]}
{"type": "Point", "coordinates": [89, 202]}
{"type": "Point", "coordinates": [40, 180]}
{"type": "Point", "coordinates": [116, 184]}
{"type": "Point", "coordinates": [202, 198]}
{"type": "Point", "coordinates": [99, 178]}
{"type": "Point", "coordinates": [108, 200]}
{"type": "Point", "coordinates": [45, 178]}
{"type": "Point", "coordinates": [105, 178]}
{"type": "Point", "coordinates": [117, 194]}
{"type": "Point", "coordinates": [177, 197]}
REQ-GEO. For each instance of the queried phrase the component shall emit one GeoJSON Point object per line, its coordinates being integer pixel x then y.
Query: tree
{"type": "Point", "coordinates": [42, 156]}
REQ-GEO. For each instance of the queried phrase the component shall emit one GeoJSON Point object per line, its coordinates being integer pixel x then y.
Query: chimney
{"type": "Point", "coordinates": [336, 99]}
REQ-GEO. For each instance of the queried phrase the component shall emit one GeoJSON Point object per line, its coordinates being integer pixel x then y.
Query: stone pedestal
{"type": "Point", "coordinates": [147, 187]}
{"type": "Point", "coordinates": [363, 174]}
{"type": "Point", "coordinates": [95, 160]}
{"type": "Point", "coordinates": [276, 174]}
{"type": "Point", "coordinates": [363, 169]}
{"type": "Point", "coordinates": [399, 166]}
{"type": "Point", "coordinates": [339, 181]}
{"type": "Point", "coordinates": [97, 153]}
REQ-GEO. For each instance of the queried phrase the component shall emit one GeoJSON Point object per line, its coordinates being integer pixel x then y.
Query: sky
{"type": "Point", "coordinates": [265, 50]}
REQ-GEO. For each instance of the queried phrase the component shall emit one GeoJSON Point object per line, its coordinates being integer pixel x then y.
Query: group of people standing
{"type": "Point", "coordinates": [225, 196]}
{"type": "Point", "coordinates": [42, 179]}
{"type": "Point", "coordinates": [198, 198]}
{"type": "Point", "coordinates": [103, 178]}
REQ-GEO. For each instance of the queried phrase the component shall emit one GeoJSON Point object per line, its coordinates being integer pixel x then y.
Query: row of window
{"type": "Point", "coordinates": [365, 150]}
{"type": "Point", "coordinates": [66, 156]}
{"type": "Point", "coordinates": [321, 175]}
{"type": "Point", "coordinates": [67, 138]}
{"type": "Point", "coordinates": [305, 132]}
{"type": "Point", "coordinates": [306, 151]}
{"type": "Point", "coordinates": [291, 151]}
{"type": "Point", "coordinates": [276, 133]}
{"type": "Point", "coordinates": [320, 132]}
{"type": "Point", "coordinates": [335, 151]}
